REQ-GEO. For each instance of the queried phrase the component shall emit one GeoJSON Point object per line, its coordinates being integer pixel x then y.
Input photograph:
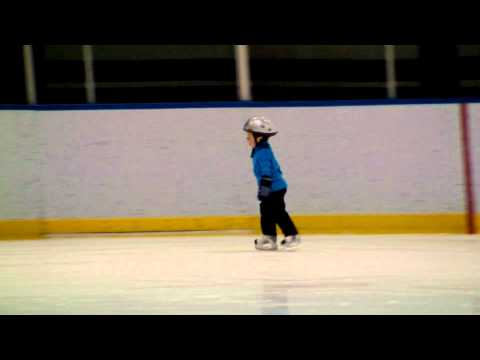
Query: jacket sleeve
{"type": "Point", "coordinates": [263, 163]}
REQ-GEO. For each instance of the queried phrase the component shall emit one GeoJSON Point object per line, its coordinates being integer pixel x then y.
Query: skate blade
{"type": "Point", "coordinates": [267, 249]}
{"type": "Point", "coordinates": [288, 247]}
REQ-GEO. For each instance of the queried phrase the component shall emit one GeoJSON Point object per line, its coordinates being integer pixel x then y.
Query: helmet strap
{"type": "Point", "coordinates": [259, 138]}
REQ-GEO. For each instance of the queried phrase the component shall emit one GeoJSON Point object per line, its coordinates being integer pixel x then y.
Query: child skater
{"type": "Point", "coordinates": [272, 187]}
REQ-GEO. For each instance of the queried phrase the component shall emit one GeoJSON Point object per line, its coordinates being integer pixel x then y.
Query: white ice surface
{"type": "Point", "coordinates": [225, 275]}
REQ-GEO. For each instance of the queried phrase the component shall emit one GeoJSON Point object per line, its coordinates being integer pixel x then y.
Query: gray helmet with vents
{"type": "Point", "coordinates": [260, 125]}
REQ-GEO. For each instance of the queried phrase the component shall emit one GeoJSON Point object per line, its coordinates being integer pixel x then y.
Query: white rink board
{"type": "Point", "coordinates": [20, 165]}
{"type": "Point", "coordinates": [181, 162]}
{"type": "Point", "coordinates": [475, 143]}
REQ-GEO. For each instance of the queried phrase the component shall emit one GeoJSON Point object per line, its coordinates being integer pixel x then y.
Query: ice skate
{"type": "Point", "coordinates": [291, 242]}
{"type": "Point", "coordinates": [266, 243]}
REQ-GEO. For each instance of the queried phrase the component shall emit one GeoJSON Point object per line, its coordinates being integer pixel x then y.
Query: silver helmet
{"type": "Point", "coordinates": [260, 125]}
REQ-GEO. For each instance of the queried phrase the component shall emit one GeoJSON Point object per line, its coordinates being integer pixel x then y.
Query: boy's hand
{"type": "Point", "coordinates": [265, 188]}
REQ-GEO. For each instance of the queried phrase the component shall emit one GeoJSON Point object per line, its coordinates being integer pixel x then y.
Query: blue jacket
{"type": "Point", "coordinates": [265, 164]}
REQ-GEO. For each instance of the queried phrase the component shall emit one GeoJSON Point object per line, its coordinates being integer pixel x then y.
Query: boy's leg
{"type": "Point", "coordinates": [267, 219]}
{"type": "Point", "coordinates": [269, 240]}
{"type": "Point", "coordinates": [282, 218]}
{"type": "Point", "coordinates": [292, 240]}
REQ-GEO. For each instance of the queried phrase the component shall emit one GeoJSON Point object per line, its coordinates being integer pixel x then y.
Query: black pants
{"type": "Point", "coordinates": [273, 212]}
